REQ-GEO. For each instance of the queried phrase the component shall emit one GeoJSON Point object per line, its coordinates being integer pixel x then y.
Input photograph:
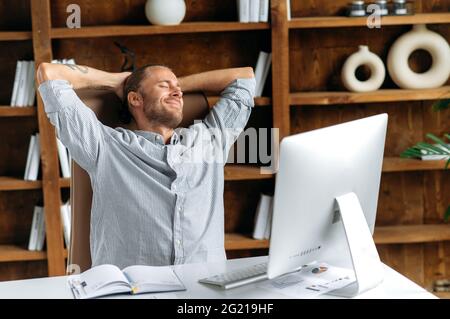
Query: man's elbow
{"type": "Point", "coordinates": [44, 72]}
{"type": "Point", "coordinates": [248, 72]}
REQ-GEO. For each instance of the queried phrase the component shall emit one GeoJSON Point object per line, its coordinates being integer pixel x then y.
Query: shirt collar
{"type": "Point", "coordinates": [157, 138]}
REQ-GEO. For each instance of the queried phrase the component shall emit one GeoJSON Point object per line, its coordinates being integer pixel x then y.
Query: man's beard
{"type": "Point", "coordinates": [156, 113]}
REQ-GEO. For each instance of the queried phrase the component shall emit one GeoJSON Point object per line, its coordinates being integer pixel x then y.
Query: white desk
{"type": "Point", "coordinates": [394, 285]}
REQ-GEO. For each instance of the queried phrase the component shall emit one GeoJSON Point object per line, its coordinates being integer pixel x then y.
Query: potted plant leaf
{"type": "Point", "coordinates": [439, 150]}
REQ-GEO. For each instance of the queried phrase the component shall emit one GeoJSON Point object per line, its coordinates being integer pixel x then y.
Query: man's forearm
{"type": "Point", "coordinates": [213, 81]}
{"type": "Point", "coordinates": [80, 76]}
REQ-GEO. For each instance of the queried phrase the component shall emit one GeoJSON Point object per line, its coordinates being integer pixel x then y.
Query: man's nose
{"type": "Point", "coordinates": [177, 93]}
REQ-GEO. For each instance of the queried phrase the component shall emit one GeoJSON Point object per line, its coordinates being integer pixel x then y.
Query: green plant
{"type": "Point", "coordinates": [440, 148]}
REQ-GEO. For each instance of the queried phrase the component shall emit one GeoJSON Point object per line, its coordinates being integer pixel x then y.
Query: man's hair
{"type": "Point", "coordinates": [132, 84]}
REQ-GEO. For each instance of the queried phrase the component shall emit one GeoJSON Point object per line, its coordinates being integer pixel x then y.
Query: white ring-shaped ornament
{"type": "Point", "coordinates": [419, 38]}
{"type": "Point", "coordinates": [363, 57]}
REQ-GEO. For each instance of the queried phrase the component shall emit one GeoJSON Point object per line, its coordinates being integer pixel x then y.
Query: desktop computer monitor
{"type": "Point", "coordinates": [325, 201]}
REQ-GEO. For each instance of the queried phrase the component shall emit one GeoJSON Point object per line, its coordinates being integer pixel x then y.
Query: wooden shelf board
{"type": "Point", "coordinates": [385, 95]}
{"type": "Point", "coordinates": [244, 172]}
{"type": "Point", "coordinates": [235, 241]}
{"type": "Point", "coordinates": [383, 235]}
{"type": "Point", "coordinates": [64, 182]}
{"type": "Point", "coordinates": [7, 111]}
{"type": "Point", "coordinates": [10, 253]}
{"type": "Point", "coordinates": [14, 183]}
{"type": "Point", "coordinates": [259, 101]}
{"type": "Point", "coordinates": [337, 22]}
{"type": "Point", "coordinates": [442, 295]}
{"type": "Point", "coordinates": [397, 164]}
{"type": "Point", "coordinates": [15, 35]}
{"type": "Point", "coordinates": [130, 30]}
{"type": "Point", "coordinates": [408, 234]}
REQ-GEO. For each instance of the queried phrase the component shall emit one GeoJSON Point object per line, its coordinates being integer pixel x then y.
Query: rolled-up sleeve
{"type": "Point", "coordinates": [76, 124]}
{"type": "Point", "coordinates": [232, 111]}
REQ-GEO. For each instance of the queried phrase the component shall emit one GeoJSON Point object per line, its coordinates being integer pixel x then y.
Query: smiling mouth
{"type": "Point", "coordinates": [174, 102]}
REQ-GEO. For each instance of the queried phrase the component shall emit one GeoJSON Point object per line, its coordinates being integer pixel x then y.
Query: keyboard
{"type": "Point", "coordinates": [239, 277]}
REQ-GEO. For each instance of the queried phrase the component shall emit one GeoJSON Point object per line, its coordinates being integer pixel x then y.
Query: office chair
{"type": "Point", "coordinates": [106, 106]}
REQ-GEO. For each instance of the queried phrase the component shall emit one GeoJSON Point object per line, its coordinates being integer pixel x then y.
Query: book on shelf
{"type": "Point", "coordinates": [264, 11]}
{"type": "Point", "coordinates": [24, 87]}
{"type": "Point", "coordinates": [66, 222]}
{"type": "Point", "coordinates": [263, 217]}
{"type": "Point", "coordinates": [253, 10]}
{"type": "Point", "coordinates": [37, 233]}
{"type": "Point", "coordinates": [288, 9]}
{"type": "Point", "coordinates": [107, 279]}
{"type": "Point", "coordinates": [262, 71]}
{"type": "Point", "coordinates": [63, 159]}
{"type": "Point", "coordinates": [33, 159]}
{"type": "Point", "coordinates": [243, 10]}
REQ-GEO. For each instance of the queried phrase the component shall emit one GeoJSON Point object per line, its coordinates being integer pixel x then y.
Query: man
{"type": "Point", "coordinates": [155, 200]}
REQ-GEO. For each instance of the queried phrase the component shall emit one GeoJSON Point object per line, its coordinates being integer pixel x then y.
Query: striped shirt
{"type": "Point", "coordinates": [153, 203]}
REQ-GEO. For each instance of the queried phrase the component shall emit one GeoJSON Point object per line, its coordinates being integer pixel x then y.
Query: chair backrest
{"type": "Point", "coordinates": [105, 106]}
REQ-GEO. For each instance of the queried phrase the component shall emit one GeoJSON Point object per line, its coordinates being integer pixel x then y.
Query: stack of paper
{"type": "Point", "coordinates": [24, 90]}
{"type": "Point", "coordinates": [253, 10]}
{"type": "Point", "coordinates": [263, 218]}
{"type": "Point", "coordinates": [261, 71]}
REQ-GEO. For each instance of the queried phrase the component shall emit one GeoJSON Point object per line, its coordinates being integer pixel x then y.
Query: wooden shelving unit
{"type": "Point", "coordinates": [234, 241]}
{"type": "Point", "coordinates": [15, 184]}
{"type": "Point", "coordinates": [15, 35]}
{"type": "Point", "coordinates": [124, 30]}
{"type": "Point", "coordinates": [9, 253]}
{"type": "Point", "coordinates": [259, 101]}
{"type": "Point", "coordinates": [244, 172]}
{"type": "Point", "coordinates": [409, 234]}
{"type": "Point", "coordinates": [442, 295]}
{"type": "Point", "coordinates": [385, 95]}
{"type": "Point", "coordinates": [339, 22]}
{"type": "Point", "coordinates": [383, 235]}
{"type": "Point", "coordinates": [7, 111]}
{"type": "Point", "coordinates": [395, 164]}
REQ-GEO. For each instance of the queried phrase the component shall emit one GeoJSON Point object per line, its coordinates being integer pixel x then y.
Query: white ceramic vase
{"type": "Point", "coordinates": [165, 12]}
{"type": "Point", "coordinates": [419, 38]}
{"type": "Point", "coordinates": [363, 57]}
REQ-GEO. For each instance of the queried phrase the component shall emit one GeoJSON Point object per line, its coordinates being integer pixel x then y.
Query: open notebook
{"type": "Point", "coordinates": [109, 279]}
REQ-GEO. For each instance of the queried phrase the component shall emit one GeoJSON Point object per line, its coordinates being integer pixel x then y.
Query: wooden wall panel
{"type": "Point", "coordinates": [16, 213]}
{"type": "Point", "coordinates": [15, 16]}
{"type": "Point", "coordinates": [400, 199]}
{"type": "Point", "coordinates": [404, 123]}
{"type": "Point", "coordinates": [435, 263]}
{"type": "Point", "coordinates": [241, 199]}
{"type": "Point", "coordinates": [11, 51]}
{"type": "Point", "coordinates": [94, 12]}
{"type": "Point", "coordinates": [23, 270]}
{"type": "Point", "coordinates": [15, 144]}
{"type": "Point", "coordinates": [182, 53]}
{"type": "Point", "coordinates": [406, 259]}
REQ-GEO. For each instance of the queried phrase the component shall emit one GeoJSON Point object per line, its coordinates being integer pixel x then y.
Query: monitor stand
{"type": "Point", "coordinates": [364, 255]}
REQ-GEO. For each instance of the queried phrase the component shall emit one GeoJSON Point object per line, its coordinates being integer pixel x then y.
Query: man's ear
{"type": "Point", "coordinates": [135, 100]}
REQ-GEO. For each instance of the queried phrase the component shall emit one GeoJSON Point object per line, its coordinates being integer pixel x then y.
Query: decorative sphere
{"type": "Point", "coordinates": [165, 12]}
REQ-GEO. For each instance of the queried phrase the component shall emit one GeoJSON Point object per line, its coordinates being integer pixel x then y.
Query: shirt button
{"type": "Point", "coordinates": [178, 242]}
{"type": "Point", "coordinates": [180, 208]}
